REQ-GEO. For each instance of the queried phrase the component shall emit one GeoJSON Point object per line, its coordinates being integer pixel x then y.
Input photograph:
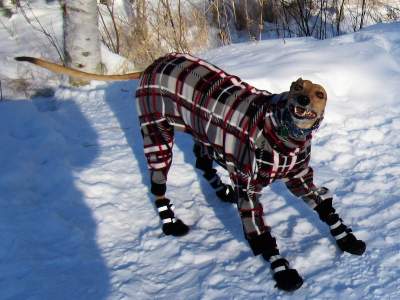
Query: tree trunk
{"type": "Point", "coordinates": [81, 37]}
{"type": "Point", "coordinates": [363, 11]}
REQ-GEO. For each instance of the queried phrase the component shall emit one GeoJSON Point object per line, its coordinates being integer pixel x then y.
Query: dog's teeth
{"type": "Point", "coordinates": [300, 112]}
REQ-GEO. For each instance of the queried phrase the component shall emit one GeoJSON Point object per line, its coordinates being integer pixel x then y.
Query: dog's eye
{"type": "Point", "coordinates": [320, 95]}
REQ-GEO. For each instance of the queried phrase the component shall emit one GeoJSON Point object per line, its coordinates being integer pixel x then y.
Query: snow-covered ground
{"type": "Point", "coordinates": [77, 220]}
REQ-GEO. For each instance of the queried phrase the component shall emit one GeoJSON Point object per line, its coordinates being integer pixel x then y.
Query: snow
{"type": "Point", "coordinates": [77, 219]}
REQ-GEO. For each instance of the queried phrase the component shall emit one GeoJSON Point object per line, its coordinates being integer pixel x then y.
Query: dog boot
{"type": "Point", "coordinates": [345, 240]}
{"type": "Point", "coordinates": [226, 194]}
{"type": "Point", "coordinates": [286, 279]}
{"type": "Point", "coordinates": [224, 191]}
{"type": "Point", "coordinates": [171, 225]}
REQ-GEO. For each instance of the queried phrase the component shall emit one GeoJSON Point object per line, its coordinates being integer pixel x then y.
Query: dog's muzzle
{"type": "Point", "coordinates": [294, 115]}
{"type": "Point", "coordinates": [302, 113]}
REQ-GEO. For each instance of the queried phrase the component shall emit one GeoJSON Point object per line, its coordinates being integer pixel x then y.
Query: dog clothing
{"type": "Point", "coordinates": [233, 123]}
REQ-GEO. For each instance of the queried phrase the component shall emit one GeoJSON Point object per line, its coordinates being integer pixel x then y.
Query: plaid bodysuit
{"type": "Point", "coordinates": [235, 124]}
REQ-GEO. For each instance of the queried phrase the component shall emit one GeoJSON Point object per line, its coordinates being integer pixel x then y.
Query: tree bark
{"type": "Point", "coordinates": [81, 37]}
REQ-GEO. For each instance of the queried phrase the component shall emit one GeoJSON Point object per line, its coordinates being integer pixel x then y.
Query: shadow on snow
{"type": "Point", "coordinates": [48, 234]}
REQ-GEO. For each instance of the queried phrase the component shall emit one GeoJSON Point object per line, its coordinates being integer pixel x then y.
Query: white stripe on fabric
{"type": "Point", "coordinates": [214, 106]}
{"type": "Point", "coordinates": [336, 225]}
{"type": "Point", "coordinates": [187, 91]}
{"type": "Point", "coordinates": [292, 163]}
{"type": "Point", "coordinates": [284, 162]}
{"type": "Point", "coordinates": [177, 125]}
{"type": "Point", "coordinates": [152, 122]}
{"type": "Point", "coordinates": [253, 215]}
{"type": "Point", "coordinates": [160, 165]}
{"type": "Point", "coordinates": [157, 148]}
{"type": "Point", "coordinates": [168, 220]}
{"type": "Point", "coordinates": [253, 218]}
{"type": "Point", "coordinates": [274, 258]}
{"type": "Point", "coordinates": [186, 116]}
{"type": "Point", "coordinates": [305, 185]}
{"type": "Point", "coordinates": [275, 165]}
{"type": "Point", "coordinates": [301, 174]}
{"type": "Point", "coordinates": [271, 116]}
{"type": "Point", "coordinates": [340, 236]}
{"type": "Point", "coordinates": [325, 196]}
{"type": "Point", "coordinates": [281, 166]}
{"type": "Point", "coordinates": [160, 81]}
{"type": "Point", "coordinates": [279, 269]}
{"type": "Point", "coordinates": [162, 208]}
{"type": "Point", "coordinates": [296, 151]}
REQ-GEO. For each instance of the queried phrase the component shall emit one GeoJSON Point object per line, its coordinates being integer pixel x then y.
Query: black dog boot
{"type": "Point", "coordinates": [171, 225]}
{"type": "Point", "coordinates": [224, 191]}
{"type": "Point", "coordinates": [286, 279]}
{"type": "Point", "coordinates": [351, 244]}
{"type": "Point", "coordinates": [226, 194]}
{"type": "Point", "coordinates": [345, 240]}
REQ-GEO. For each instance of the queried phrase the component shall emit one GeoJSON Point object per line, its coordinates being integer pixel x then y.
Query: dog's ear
{"type": "Point", "coordinates": [297, 85]}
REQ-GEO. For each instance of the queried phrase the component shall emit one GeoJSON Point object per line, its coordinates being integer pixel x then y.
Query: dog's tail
{"type": "Point", "coordinates": [56, 68]}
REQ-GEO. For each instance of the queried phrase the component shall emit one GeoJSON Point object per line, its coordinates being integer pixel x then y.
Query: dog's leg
{"type": "Point", "coordinates": [261, 241]}
{"type": "Point", "coordinates": [320, 200]}
{"type": "Point", "coordinates": [158, 139]}
{"type": "Point", "coordinates": [204, 162]}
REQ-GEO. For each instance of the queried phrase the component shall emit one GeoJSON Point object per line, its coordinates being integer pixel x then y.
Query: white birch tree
{"type": "Point", "coordinates": [81, 37]}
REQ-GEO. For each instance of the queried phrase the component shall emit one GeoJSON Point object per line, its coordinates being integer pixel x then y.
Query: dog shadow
{"type": "Point", "coordinates": [48, 234]}
{"type": "Point", "coordinates": [125, 111]}
{"type": "Point", "coordinates": [303, 211]}
{"type": "Point", "coordinates": [226, 212]}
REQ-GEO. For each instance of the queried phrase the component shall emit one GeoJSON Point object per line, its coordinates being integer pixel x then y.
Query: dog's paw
{"type": "Point", "coordinates": [288, 280]}
{"type": "Point", "coordinates": [351, 245]}
{"type": "Point", "coordinates": [226, 194]}
{"type": "Point", "coordinates": [177, 228]}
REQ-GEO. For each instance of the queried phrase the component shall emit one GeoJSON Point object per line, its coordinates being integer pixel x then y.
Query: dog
{"type": "Point", "coordinates": [257, 136]}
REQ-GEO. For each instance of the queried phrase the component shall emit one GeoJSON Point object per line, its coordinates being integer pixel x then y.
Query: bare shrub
{"type": "Point", "coordinates": [240, 15]}
{"type": "Point", "coordinates": [154, 29]}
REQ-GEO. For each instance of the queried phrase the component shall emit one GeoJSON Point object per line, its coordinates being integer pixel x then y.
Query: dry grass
{"type": "Point", "coordinates": [156, 29]}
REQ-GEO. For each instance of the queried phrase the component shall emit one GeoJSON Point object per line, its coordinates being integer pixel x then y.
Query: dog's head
{"type": "Point", "coordinates": [306, 103]}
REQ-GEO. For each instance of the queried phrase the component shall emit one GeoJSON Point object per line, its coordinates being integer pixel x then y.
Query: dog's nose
{"type": "Point", "coordinates": [303, 100]}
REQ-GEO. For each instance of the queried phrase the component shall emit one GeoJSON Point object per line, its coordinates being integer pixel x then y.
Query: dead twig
{"type": "Point", "coordinates": [40, 28]}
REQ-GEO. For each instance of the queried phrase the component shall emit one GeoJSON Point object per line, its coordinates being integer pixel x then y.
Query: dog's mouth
{"type": "Point", "coordinates": [302, 113]}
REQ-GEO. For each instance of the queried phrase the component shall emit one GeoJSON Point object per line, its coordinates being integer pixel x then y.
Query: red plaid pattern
{"type": "Point", "coordinates": [235, 124]}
